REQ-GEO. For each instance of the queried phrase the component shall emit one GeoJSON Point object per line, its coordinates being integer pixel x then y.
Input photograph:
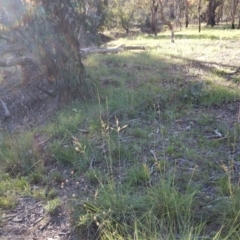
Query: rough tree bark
{"type": "Point", "coordinates": [186, 13]}
{"type": "Point", "coordinates": [238, 19]}
{"type": "Point", "coordinates": [211, 13]}
{"type": "Point", "coordinates": [154, 10]}
{"type": "Point", "coordinates": [47, 38]}
{"type": "Point", "coordinates": [212, 6]}
{"type": "Point", "coordinates": [199, 15]}
{"type": "Point", "coordinates": [70, 75]}
{"type": "Point", "coordinates": [234, 4]}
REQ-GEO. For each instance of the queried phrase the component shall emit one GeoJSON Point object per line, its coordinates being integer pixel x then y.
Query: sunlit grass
{"type": "Point", "coordinates": [10, 189]}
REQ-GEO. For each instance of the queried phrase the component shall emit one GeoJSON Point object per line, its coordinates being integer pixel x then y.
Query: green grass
{"type": "Point", "coordinates": [143, 151]}
{"type": "Point", "coordinates": [95, 176]}
{"type": "Point", "coordinates": [18, 154]}
{"type": "Point", "coordinates": [52, 206]}
{"type": "Point", "coordinates": [10, 188]}
{"type": "Point", "coordinates": [138, 175]}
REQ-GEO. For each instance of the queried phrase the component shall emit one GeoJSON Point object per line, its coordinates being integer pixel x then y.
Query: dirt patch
{"type": "Point", "coordinates": [29, 106]}
{"type": "Point", "coordinates": [30, 221]}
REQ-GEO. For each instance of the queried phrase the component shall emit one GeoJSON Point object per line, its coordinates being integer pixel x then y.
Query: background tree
{"type": "Point", "coordinates": [125, 11]}
{"type": "Point", "coordinates": [238, 19]}
{"type": "Point", "coordinates": [46, 34]}
{"type": "Point", "coordinates": [178, 6]}
{"type": "Point", "coordinates": [234, 4]}
{"type": "Point", "coordinates": [154, 22]}
{"type": "Point", "coordinates": [94, 16]}
{"type": "Point", "coordinates": [186, 13]}
{"type": "Point", "coordinates": [164, 21]}
{"type": "Point", "coordinates": [211, 11]}
{"type": "Point", "coordinates": [199, 15]}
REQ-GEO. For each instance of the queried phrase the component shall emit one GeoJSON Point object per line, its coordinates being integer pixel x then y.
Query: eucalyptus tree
{"type": "Point", "coordinates": [234, 5]}
{"type": "Point", "coordinates": [47, 36]}
{"type": "Point", "coordinates": [211, 11]}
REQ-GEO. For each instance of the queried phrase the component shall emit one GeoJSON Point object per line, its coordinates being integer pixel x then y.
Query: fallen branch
{"type": "Point", "coordinates": [110, 50]}
{"type": "Point", "coordinates": [135, 48]}
{"type": "Point", "coordinates": [143, 67]}
{"type": "Point", "coordinates": [234, 72]}
{"type": "Point", "coordinates": [101, 50]}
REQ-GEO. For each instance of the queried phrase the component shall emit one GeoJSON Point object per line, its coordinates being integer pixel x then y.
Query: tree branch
{"type": "Point", "coordinates": [6, 111]}
{"type": "Point", "coordinates": [22, 61]}
{"type": "Point", "coordinates": [10, 48]}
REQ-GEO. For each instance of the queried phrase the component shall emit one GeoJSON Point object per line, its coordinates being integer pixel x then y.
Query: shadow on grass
{"type": "Point", "coordinates": [208, 65]}
{"type": "Point", "coordinates": [145, 76]}
{"type": "Point", "coordinates": [184, 36]}
{"type": "Point", "coordinates": [207, 32]}
{"type": "Point", "coordinates": [227, 71]}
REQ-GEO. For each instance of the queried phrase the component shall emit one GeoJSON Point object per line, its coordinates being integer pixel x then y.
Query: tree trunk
{"type": "Point", "coordinates": [212, 6]}
{"type": "Point", "coordinates": [211, 13]}
{"type": "Point", "coordinates": [199, 15]}
{"type": "Point", "coordinates": [154, 9]}
{"type": "Point", "coordinates": [178, 15]}
{"type": "Point", "coordinates": [219, 14]}
{"type": "Point", "coordinates": [186, 13]}
{"type": "Point", "coordinates": [233, 12]}
{"type": "Point", "coordinates": [127, 31]}
{"type": "Point", "coordinates": [239, 19]}
{"type": "Point", "coordinates": [67, 69]}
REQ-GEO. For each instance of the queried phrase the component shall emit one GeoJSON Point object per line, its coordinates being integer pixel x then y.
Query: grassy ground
{"type": "Point", "coordinates": [154, 156]}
